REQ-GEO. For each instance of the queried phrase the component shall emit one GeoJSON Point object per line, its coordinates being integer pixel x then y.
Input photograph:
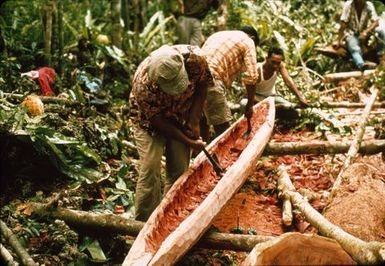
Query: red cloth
{"type": "Point", "coordinates": [46, 80]}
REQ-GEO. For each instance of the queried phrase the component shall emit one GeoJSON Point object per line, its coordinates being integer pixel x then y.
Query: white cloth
{"type": "Point", "coordinates": [355, 24]}
{"type": "Point", "coordinates": [265, 87]}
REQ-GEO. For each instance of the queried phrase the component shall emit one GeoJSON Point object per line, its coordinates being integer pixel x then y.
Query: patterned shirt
{"type": "Point", "coordinates": [229, 53]}
{"type": "Point", "coordinates": [148, 100]}
{"type": "Point", "coordinates": [355, 25]}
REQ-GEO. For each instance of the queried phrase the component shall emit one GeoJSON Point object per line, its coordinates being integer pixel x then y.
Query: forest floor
{"type": "Point", "coordinates": [255, 209]}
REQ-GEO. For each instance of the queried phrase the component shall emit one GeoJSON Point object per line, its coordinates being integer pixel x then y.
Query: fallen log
{"type": "Point", "coordinates": [351, 105]}
{"type": "Point", "coordinates": [359, 112]}
{"type": "Point", "coordinates": [298, 249]}
{"type": "Point", "coordinates": [6, 256]}
{"type": "Point", "coordinates": [287, 214]}
{"type": "Point", "coordinates": [44, 99]}
{"type": "Point", "coordinates": [362, 252]}
{"type": "Point", "coordinates": [120, 225]}
{"type": "Point", "coordinates": [327, 105]}
{"type": "Point", "coordinates": [353, 150]}
{"type": "Point", "coordinates": [322, 147]}
{"type": "Point", "coordinates": [310, 147]}
{"type": "Point", "coordinates": [23, 255]}
{"type": "Point", "coordinates": [335, 77]}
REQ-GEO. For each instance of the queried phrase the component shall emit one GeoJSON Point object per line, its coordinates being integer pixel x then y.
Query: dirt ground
{"type": "Point", "coordinates": [256, 209]}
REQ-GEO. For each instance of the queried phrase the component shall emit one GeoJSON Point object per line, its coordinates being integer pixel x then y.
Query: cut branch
{"type": "Point", "coordinates": [7, 257]}
{"type": "Point", "coordinates": [44, 99]}
{"type": "Point", "coordinates": [16, 246]}
{"type": "Point", "coordinates": [287, 214]}
{"type": "Point", "coordinates": [120, 225]}
{"type": "Point", "coordinates": [327, 105]}
{"type": "Point", "coordinates": [326, 117]}
{"type": "Point", "coordinates": [322, 147]}
{"type": "Point", "coordinates": [351, 105]}
{"type": "Point", "coordinates": [353, 150]}
{"type": "Point", "coordinates": [362, 252]}
{"type": "Point", "coordinates": [335, 77]}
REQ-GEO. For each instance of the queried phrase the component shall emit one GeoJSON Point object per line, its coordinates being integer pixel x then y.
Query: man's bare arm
{"type": "Point", "coordinates": [289, 82]}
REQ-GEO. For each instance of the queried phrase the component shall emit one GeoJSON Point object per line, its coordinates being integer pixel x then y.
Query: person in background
{"type": "Point", "coordinates": [189, 27]}
{"type": "Point", "coordinates": [169, 89]}
{"type": "Point", "coordinates": [268, 72]}
{"type": "Point", "coordinates": [45, 77]}
{"type": "Point", "coordinates": [229, 53]}
{"type": "Point", "coordinates": [358, 19]}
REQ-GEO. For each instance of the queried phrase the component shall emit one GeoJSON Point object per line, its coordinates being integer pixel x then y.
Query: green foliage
{"type": "Point", "coordinates": [378, 80]}
{"type": "Point", "coordinates": [10, 80]}
{"type": "Point", "coordinates": [155, 33]}
{"type": "Point", "coordinates": [69, 155]}
{"type": "Point", "coordinates": [94, 249]}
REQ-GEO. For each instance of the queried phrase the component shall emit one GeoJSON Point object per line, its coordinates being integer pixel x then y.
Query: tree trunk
{"type": "Point", "coordinates": [322, 147]}
{"type": "Point", "coordinates": [3, 47]}
{"type": "Point", "coordinates": [116, 35]}
{"type": "Point", "coordinates": [60, 33]}
{"type": "Point", "coordinates": [298, 249]}
{"type": "Point", "coordinates": [137, 22]}
{"type": "Point", "coordinates": [126, 14]}
{"type": "Point", "coordinates": [48, 10]}
{"type": "Point", "coordinates": [353, 150]}
{"type": "Point", "coordinates": [143, 12]}
{"type": "Point", "coordinates": [335, 77]}
{"type": "Point", "coordinates": [120, 225]}
{"type": "Point", "coordinates": [16, 246]}
{"type": "Point", "coordinates": [362, 252]}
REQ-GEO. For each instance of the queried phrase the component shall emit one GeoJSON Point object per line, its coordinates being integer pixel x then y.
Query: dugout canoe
{"type": "Point", "coordinates": [192, 203]}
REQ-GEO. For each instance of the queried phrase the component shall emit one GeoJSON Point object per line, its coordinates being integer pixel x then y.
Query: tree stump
{"type": "Point", "coordinates": [298, 249]}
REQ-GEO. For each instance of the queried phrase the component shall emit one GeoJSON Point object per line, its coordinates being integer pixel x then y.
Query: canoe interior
{"type": "Point", "coordinates": [202, 179]}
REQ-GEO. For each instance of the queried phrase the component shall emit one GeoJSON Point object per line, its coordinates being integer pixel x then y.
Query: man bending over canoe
{"type": "Point", "coordinates": [169, 89]}
{"type": "Point", "coordinates": [229, 53]}
{"type": "Point", "coordinates": [267, 76]}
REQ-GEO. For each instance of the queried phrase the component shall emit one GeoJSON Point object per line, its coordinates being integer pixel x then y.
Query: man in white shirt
{"type": "Point", "coordinates": [267, 75]}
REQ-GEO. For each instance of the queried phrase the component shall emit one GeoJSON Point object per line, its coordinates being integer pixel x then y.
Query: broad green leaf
{"type": "Point", "coordinates": [156, 30]}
